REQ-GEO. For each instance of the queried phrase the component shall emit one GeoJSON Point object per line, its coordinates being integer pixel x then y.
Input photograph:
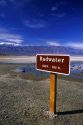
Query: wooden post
{"type": "Point", "coordinates": [53, 92]}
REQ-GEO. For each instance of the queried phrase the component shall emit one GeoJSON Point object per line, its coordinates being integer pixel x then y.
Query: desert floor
{"type": "Point", "coordinates": [25, 101]}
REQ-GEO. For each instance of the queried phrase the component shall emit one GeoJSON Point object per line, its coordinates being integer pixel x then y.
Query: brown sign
{"type": "Point", "coordinates": [53, 63]}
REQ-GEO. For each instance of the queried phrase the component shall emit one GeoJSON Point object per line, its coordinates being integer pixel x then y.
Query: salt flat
{"type": "Point", "coordinates": [76, 58]}
{"type": "Point", "coordinates": [30, 59]}
{"type": "Point", "coordinates": [18, 59]}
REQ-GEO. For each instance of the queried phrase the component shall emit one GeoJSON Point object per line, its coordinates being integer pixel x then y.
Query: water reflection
{"type": "Point", "coordinates": [31, 70]}
{"type": "Point", "coordinates": [76, 70]}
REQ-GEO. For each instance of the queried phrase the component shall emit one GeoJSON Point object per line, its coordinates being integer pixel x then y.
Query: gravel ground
{"type": "Point", "coordinates": [26, 102]}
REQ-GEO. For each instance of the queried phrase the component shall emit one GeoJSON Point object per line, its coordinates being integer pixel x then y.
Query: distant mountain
{"type": "Point", "coordinates": [33, 50]}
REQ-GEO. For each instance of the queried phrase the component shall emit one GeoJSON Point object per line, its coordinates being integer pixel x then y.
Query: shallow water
{"type": "Point", "coordinates": [76, 70]}
{"type": "Point", "coordinates": [31, 69]}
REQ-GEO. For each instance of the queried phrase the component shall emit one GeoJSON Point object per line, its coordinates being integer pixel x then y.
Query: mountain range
{"type": "Point", "coordinates": [33, 50]}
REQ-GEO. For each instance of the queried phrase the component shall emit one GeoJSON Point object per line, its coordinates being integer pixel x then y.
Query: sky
{"type": "Point", "coordinates": [41, 22]}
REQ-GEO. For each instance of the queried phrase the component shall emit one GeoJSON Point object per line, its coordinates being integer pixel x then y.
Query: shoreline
{"type": "Point", "coordinates": [30, 59]}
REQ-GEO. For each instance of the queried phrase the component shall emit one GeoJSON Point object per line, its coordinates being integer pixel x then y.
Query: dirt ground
{"type": "Point", "coordinates": [26, 102]}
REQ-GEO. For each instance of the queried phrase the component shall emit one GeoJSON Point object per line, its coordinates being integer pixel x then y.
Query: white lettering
{"type": "Point", "coordinates": [45, 66]}
{"type": "Point", "coordinates": [50, 59]}
{"type": "Point", "coordinates": [40, 58]}
{"type": "Point", "coordinates": [62, 60]}
{"type": "Point", "coordinates": [47, 59]}
{"type": "Point", "coordinates": [44, 59]}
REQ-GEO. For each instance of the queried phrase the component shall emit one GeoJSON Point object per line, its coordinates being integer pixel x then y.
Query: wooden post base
{"type": "Point", "coordinates": [53, 89]}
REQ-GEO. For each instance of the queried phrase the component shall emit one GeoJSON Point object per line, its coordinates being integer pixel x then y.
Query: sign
{"type": "Point", "coordinates": [59, 64]}
{"type": "Point", "coordinates": [56, 64]}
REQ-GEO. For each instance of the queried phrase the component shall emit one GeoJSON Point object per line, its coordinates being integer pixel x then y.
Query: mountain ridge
{"type": "Point", "coordinates": [33, 50]}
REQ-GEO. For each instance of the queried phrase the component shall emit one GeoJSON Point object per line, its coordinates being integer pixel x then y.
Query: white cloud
{"type": "Point", "coordinates": [9, 43]}
{"type": "Point", "coordinates": [53, 43]}
{"type": "Point", "coordinates": [34, 24]}
{"type": "Point", "coordinates": [17, 41]}
{"type": "Point", "coordinates": [54, 8]}
{"type": "Point", "coordinates": [13, 39]}
{"type": "Point", "coordinates": [59, 15]}
{"type": "Point", "coordinates": [77, 45]}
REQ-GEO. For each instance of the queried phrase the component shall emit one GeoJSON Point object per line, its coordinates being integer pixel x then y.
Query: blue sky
{"type": "Point", "coordinates": [41, 22]}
